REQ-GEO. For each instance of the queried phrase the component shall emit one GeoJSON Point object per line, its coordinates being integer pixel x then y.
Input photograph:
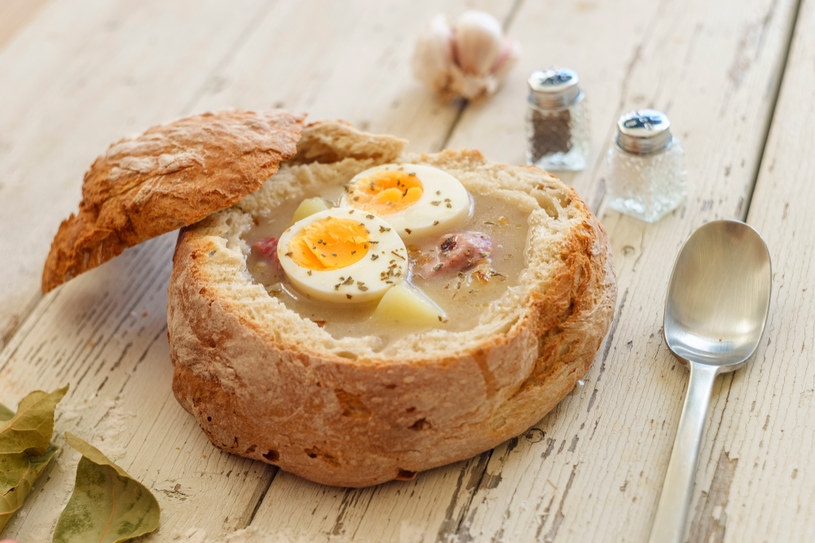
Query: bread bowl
{"type": "Point", "coordinates": [267, 383]}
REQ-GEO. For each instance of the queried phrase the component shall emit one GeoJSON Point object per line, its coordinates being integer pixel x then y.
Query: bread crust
{"type": "Point", "coordinates": [342, 420]}
{"type": "Point", "coordinates": [170, 176]}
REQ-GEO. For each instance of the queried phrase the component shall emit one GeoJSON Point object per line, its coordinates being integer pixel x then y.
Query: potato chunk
{"type": "Point", "coordinates": [309, 206]}
{"type": "Point", "coordinates": [406, 304]}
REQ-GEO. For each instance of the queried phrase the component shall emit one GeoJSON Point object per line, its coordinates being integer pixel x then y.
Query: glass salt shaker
{"type": "Point", "coordinates": [557, 124]}
{"type": "Point", "coordinates": [645, 170]}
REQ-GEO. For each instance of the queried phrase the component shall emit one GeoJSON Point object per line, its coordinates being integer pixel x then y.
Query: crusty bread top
{"type": "Point", "coordinates": [170, 176]}
{"type": "Point", "coordinates": [554, 214]}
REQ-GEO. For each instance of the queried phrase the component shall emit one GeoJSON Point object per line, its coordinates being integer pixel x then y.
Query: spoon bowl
{"type": "Point", "coordinates": [715, 312]}
{"type": "Point", "coordinates": [719, 295]}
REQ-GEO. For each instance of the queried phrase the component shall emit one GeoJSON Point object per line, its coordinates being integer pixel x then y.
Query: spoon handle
{"type": "Point", "coordinates": [672, 511]}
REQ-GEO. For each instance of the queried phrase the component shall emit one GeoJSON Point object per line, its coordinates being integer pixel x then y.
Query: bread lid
{"type": "Point", "coordinates": [170, 176]}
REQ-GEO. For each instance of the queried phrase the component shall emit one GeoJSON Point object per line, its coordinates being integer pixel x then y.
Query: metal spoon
{"type": "Point", "coordinates": [715, 313]}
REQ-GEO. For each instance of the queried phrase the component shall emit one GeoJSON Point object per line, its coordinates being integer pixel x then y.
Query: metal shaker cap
{"type": "Point", "coordinates": [554, 87]}
{"type": "Point", "coordinates": [643, 131]}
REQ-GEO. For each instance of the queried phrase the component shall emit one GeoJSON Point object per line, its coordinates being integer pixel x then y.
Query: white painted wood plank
{"type": "Point", "coordinates": [762, 483]}
{"type": "Point", "coordinates": [351, 60]}
{"type": "Point", "coordinates": [15, 15]}
{"type": "Point", "coordinates": [82, 75]}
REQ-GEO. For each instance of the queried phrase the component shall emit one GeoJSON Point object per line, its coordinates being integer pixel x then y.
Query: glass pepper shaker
{"type": "Point", "coordinates": [557, 124]}
{"type": "Point", "coordinates": [645, 170]}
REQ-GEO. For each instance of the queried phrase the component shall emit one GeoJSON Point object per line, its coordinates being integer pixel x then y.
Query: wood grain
{"type": "Point", "coordinates": [762, 483]}
{"type": "Point", "coordinates": [85, 74]}
{"type": "Point", "coordinates": [352, 61]}
{"type": "Point", "coordinates": [15, 16]}
{"type": "Point", "coordinates": [90, 71]}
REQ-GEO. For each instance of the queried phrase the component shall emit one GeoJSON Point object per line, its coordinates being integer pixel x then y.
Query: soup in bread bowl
{"type": "Point", "coordinates": [309, 331]}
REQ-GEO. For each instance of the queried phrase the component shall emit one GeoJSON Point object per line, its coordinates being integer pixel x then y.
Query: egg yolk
{"type": "Point", "coordinates": [386, 191]}
{"type": "Point", "coordinates": [329, 244]}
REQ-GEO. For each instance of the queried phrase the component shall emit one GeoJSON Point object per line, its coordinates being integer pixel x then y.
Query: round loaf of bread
{"type": "Point", "coordinates": [266, 383]}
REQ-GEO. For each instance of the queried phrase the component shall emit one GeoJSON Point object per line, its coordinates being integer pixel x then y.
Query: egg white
{"type": "Point", "coordinates": [385, 264]}
{"type": "Point", "coordinates": [443, 204]}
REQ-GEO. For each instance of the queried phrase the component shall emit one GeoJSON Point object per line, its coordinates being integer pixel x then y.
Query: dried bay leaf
{"type": "Point", "coordinates": [29, 430]}
{"type": "Point", "coordinates": [18, 471]}
{"type": "Point", "coordinates": [107, 505]}
{"type": "Point", "coordinates": [25, 447]}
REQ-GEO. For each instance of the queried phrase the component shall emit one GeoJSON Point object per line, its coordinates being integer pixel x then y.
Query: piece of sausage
{"type": "Point", "coordinates": [267, 248]}
{"type": "Point", "coordinates": [456, 252]}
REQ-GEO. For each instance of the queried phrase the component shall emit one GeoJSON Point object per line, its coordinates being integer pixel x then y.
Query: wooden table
{"type": "Point", "coordinates": [735, 76]}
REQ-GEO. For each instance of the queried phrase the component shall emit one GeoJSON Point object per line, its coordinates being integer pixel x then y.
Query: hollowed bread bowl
{"type": "Point", "coordinates": [266, 383]}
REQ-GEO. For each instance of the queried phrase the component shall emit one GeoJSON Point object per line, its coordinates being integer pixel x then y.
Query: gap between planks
{"type": "Point", "coordinates": [776, 91]}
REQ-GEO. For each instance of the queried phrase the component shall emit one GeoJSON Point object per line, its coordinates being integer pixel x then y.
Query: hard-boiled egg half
{"type": "Point", "coordinates": [343, 255]}
{"type": "Point", "coordinates": [417, 200]}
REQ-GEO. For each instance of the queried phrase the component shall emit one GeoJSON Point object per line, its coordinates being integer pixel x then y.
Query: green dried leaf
{"type": "Point", "coordinates": [5, 413]}
{"type": "Point", "coordinates": [29, 430]}
{"type": "Point", "coordinates": [107, 505]}
{"type": "Point", "coordinates": [18, 471]}
{"type": "Point", "coordinates": [25, 448]}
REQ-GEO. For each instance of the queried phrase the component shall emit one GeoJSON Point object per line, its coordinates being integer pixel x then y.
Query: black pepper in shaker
{"type": "Point", "coordinates": [557, 120]}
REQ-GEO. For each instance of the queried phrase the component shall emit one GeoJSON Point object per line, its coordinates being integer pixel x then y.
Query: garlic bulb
{"type": "Point", "coordinates": [434, 54]}
{"type": "Point", "coordinates": [467, 59]}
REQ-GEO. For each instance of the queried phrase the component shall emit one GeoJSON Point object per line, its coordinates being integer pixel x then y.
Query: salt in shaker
{"type": "Point", "coordinates": [557, 124]}
{"type": "Point", "coordinates": [645, 171]}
